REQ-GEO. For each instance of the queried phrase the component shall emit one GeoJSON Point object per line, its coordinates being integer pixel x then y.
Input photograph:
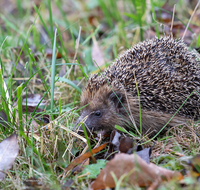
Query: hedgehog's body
{"type": "Point", "coordinates": [166, 74]}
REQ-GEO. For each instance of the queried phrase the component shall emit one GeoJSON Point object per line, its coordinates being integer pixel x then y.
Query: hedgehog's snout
{"type": "Point", "coordinates": [82, 120]}
{"type": "Point", "coordinates": [77, 127]}
{"type": "Point", "coordinates": [90, 119]}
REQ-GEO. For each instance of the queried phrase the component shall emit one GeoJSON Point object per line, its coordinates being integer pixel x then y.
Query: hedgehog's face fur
{"type": "Point", "coordinates": [104, 109]}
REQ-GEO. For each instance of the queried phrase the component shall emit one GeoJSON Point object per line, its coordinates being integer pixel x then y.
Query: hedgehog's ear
{"type": "Point", "coordinates": [116, 98]}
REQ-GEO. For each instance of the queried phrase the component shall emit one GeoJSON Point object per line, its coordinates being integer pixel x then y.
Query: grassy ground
{"type": "Point", "coordinates": [47, 48]}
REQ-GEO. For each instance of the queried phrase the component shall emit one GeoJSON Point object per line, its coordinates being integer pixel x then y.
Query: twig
{"type": "Point", "coordinates": [76, 48]}
{"type": "Point", "coordinates": [172, 20]}
{"type": "Point", "coordinates": [190, 19]}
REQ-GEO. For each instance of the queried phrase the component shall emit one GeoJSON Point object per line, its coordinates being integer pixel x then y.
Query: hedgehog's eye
{"type": "Point", "coordinates": [97, 113]}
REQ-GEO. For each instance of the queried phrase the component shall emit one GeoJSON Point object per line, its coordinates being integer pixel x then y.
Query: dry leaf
{"type": "Point", "coordinates": [97, 54]}
{"type": "Point", "coordinates": [81, 158]}
{"type": "Point", "coordinates": [9, 149]}
{"type": "Point", "coordinates": [29, 104]}
{"type": "Point", "coordinates": [33, 100]}
{"type": "Point", "coordinates": [49, 54]}
{"type": "Point", "coordinates": [113, 145]}
{"type": "Point", "coordinates": [137, 170]}
{"type": "Point", "coordinates": [126, 143]}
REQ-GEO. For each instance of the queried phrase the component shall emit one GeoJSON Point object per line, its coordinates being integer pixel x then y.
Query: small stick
{"type": "Point", "coordinates": [172, 20]}
{"type": "Point", "coordinates": [190, 19]}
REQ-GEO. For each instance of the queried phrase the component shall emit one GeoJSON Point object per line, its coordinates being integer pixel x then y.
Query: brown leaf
{"type": "Point", "coordinates": [81, 158]}
{"type": "Point", "coordinates": [8, 152]}
{"type": "Point", "coordinates": [137, 170]}
{"type": "Point", "coordinates": [49, 54]}
{"type": "Point", "coordinates": [97, 54]}
{"type": "Point", "coordinates": [125, 144]}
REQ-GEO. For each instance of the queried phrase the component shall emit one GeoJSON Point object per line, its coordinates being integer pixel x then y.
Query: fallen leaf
{"type": "Point", "coordinates": [33, 100]}
{"type": "Point", "coordinates": [137, 170]}
{"type": "Point", "coordinates": [145, 154]}
{"type": "Point", "coordinates": [49, 54]}
{"type": "Point", "coordinates": [9, 149]}
{"type": "Point", "coordinates": [113, 145]}
{"type": "Point", "coordinates": [81, 158]}
{"type": "Point", "coordinates": [125, 144]}
{"type": "Point", "coordinates": [30, 102]}
{"type": "Point", "coordinates": [97, 54]}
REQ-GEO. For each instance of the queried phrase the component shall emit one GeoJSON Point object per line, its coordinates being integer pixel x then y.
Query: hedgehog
{"type": "Point", "coordinates": [156, 83]}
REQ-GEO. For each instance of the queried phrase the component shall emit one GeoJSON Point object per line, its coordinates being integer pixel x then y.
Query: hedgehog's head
{"type": "Point", "coordinates": [102, 108]}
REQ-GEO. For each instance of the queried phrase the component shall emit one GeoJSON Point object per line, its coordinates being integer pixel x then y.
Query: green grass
{"type": "Point", "coordinates": [26, 34]}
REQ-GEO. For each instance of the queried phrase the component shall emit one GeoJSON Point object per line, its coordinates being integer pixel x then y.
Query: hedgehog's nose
{"type": "Point", "coordinates": [77, 127]}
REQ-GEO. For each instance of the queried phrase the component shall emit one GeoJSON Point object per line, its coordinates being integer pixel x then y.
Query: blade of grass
{"type": "Point", "coordinates": [11, 25]}
{"type": "Point", "coordinates": [58, 3]}
{"type": "Point", "coordinates": [50, 33]}
{"type": "Point", "coordinates": [4, 101]}
{"type": "Point", "coordinates": [2, 44]}
{"type": "Point", "coordinates": [50, 17]}
{"type": "Point", "coordinates": [198, 41]}
{"type": "Point", "coordinates": [140, 6]}
{"type": "Point", "coordinates": [62, 44]}
{"type": "Point", "coordinates": [104, 8]}
{"type": "Point", "coordinates": [4, 91]}
{"type": "Point", "coordinates": [19, 8]}
{"type": "Point", "coordinates": [88, 142]}
{"type": "Point", "coordinates": [69, 82]}
{"type": "Point", "coordinates": [140, 111]}
{"type": "Point", "coordinates": [53, 68]}
{"type": "Point", "coordinates": [38, 69]}
{"type": "Point", "coordinates": [19, 102]}
{"type": "Point", "coordinates": [60, 105]}
{"type": "Point", "coordinates": [91, 35]}
{"type": "Point", "coordinates": [43, 23]}
{"type": "Point", "coordinates": [154, 17]}
{"type": "Point", "coordinates": [36, 37]}
{"type": "Point", "coordinates": [38, 105]}
{"type": "Point", "coordinates": [29, 31]}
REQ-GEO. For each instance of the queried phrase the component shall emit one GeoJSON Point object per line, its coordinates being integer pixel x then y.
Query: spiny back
{"type": "Point", "coordinates": [166, 74]}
